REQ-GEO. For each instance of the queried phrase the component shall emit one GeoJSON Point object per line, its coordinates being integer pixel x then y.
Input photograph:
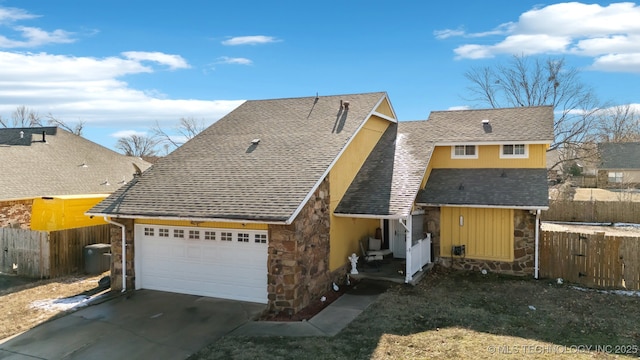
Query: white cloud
{"type": "Point", "coordinates": [90, 89]}
{"type": "Point", "coordinates": [249, 40]}
{"type": "Point", "coordinates": [29, 36]}
{"type": "Point", "coordinates": [610, 34]}
{"type": "Point", "coordinates": [447, 33]}
{"type": "Point", "coordinates": [618, 62]}
{"type": "Point", "coordinates": [173, 61]}
{"type": "Point", "coordinates": [236, 61]}
{"type": "Point", "coordinates": [127, 133]}
{"type": "Point", "coordinates": [461, 107]}
{"type": "Point", "coordinates": [8, 15]}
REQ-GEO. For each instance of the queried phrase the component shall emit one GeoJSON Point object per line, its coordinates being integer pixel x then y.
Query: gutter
{"type": "Point", "coordinates": [537, 254]}
{"type": "Point", "coordinates": [124, 251]}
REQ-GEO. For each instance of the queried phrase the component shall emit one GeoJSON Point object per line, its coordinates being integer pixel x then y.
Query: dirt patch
{"type": "Point", "coordinates": [25, 306]}
{"type": "Point", "coordinates": [633, 231]}
{"type": "Point", "coordinates": [585, 194]}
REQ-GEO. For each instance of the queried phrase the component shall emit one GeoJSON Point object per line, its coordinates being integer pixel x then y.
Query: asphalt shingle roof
{"type": "Point", "coordinates": [33, 168]}
{"type": "Point", "coordinates": [494, 187]}
{"type": "Point", "coordinates": [388, 181]}
{"type": "Point", "coordinates": [533, 124]}
{"type": "Point", "coordinates": [221, 174]}
{"type": "Point", "coordinates": [619, 155]}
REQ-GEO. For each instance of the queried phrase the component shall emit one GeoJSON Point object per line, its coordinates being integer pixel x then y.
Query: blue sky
{"type": "Point", "coordinates": [120, 66]}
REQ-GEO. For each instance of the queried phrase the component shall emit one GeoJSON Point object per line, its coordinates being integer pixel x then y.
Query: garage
{"type": "Point", "coordinates": [222, 263]}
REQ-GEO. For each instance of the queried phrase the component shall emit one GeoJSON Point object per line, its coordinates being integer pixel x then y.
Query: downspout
{"type": "Point", "coordinates": [124, 251]}
{"type": "Point", "coordinates": [537, 255]}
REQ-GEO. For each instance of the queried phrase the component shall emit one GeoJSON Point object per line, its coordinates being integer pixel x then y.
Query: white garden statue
{"type": "Point", "coordinates": [354, 262]}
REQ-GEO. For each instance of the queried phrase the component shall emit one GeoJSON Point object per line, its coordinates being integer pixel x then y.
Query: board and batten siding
{"type": "Point", "coordinates": [345, 233]}
{"type": "Point", "coordinates": [489, 157]}
{"type": "Point", "coordinates": [487, 233]}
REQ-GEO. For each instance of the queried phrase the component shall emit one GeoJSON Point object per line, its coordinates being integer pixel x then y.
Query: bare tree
{"type": "Point", "coordinates": [525, 81]}
{"type": "Point", "coordinates": [74, 129]}
{"type": "Point", "coordinates": [137, 145]}
{"type": "Point", "coordinates": [618, 124]}
{"type": "Point", "coordinates": [23, 117]}
{"type": "Point", "coordinates": [184, 131]}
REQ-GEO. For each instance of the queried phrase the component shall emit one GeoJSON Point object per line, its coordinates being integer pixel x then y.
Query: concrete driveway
{"type": "Point", "coordinates": [146, 325]}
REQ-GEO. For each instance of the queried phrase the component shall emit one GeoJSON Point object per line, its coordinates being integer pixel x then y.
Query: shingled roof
{"type": "Point", "coordinates": [488, 187]}
{"type": "Point", "coordinates": [619, 155]}
{"type": "Point", "coordinates": [388, 181]}
{"type": "Point", "coordinates": [525, 124]}
{"type": "Point", "coordinates": [48, 161]}
{"type": "Point", "coordinates": [260, 162]}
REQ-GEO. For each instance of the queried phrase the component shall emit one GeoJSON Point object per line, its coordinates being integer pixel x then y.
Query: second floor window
{"type": "Point", "coordinates": [464, 152]}
{"type": "Point", "coordinates": [514, 150]}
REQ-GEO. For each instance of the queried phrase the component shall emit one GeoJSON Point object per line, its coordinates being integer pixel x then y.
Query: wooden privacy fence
{"type": "Point", "coordinates": [593, 260]}
{"type": "Point", "coordinates": [41, 254]}
{"type": "Point", "coordinates": [593, 211]}
{"type": "Point", "coordinates": [25, 252]}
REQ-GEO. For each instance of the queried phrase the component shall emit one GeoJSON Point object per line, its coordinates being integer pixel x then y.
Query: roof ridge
{"type": "Point", "coordinates": [320, 96]}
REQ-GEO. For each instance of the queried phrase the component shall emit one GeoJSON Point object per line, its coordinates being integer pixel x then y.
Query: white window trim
{"type": "Point", "coordinates": [615, 177]}
{"type": "Point", "coordinates": [454, 156]}
{"type": "Point", "coordinates": [517, 156]}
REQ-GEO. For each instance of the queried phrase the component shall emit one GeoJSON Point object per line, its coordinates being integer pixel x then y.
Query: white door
{"type": "Point", "coordinates": [222, 263]}
{"type": "Point", "coordinates": [398, 239]}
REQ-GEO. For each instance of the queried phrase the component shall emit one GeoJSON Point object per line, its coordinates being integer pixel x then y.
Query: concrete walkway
{"type": "Point", "coordinates": [328, 322]}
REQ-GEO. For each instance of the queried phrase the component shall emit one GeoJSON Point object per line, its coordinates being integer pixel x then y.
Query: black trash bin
{"type": "Point", "coordinates": [95, 261]}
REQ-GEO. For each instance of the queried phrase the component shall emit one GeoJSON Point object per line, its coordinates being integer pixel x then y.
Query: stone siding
{"type": "Point", "coordinates": [524, 251]}
{"type": "Point", "coordinates": [298, 263]}
{"type": "Point", "coordinates": [16, 214]}
{"type": "Point", "coordinates": [116, 255]}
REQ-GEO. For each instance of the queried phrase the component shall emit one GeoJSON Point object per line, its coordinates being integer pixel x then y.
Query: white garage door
{"type": "Point", "coordinates": [223, 263]}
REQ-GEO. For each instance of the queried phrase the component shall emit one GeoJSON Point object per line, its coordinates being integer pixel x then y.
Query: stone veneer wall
{"type": "Point", "coordinates": [16, 213]}
{"type": "Point", "coordinates": [524, 250]}
{"type": "Point", "coordinates": [298, 263]}
{"type": "Point", "coordinates": [116, 255]}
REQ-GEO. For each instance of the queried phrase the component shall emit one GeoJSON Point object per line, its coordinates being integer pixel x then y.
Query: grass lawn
{"type": "Point", "coordinates": [454, 315]}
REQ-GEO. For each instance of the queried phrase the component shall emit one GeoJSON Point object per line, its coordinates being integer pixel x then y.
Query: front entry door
{"type": "Point", "coordinates": [398, 239]}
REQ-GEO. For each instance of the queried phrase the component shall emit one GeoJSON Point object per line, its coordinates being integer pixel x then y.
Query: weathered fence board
{"type": "Point", "coordinates": [24, 252]}
{"type": "Point", "coordinates": [594, 260]}
{"type": "Point", "coordinates": [41, 254]}
{"type": "Point", "coordinates": [67, 247]}
{"type": "Point", "coordinates": [593, 211]}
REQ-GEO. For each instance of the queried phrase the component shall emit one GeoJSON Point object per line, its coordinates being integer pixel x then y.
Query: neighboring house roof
{"type": "Point", "coordinates": [222, 173]}
{"type": "Point", "coordinates": [619, 155]}
{"type": "Point", "coordinates": [489, 187]}
{"type": "Point", "coordinates": [526, 124]}
{"type": "Point", "coordinates": [62, 164]}
{"type": "Point", "coordinates": [389, 180]}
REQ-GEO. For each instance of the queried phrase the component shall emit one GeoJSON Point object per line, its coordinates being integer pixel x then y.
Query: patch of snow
{"type": "Point", "coordinates": [559, 281]}
{"type": "Point", "coordinates": [61, 304]}
{"type": "Point", "coordinates": [615, 292]}
{"type": "Point", "coordinates": [531, 307]}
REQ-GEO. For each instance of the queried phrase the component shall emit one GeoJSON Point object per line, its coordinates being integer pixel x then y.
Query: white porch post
{"type": "Point", "coordinates": [408, 243]}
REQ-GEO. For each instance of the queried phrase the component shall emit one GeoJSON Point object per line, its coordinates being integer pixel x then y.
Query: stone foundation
{"type": "Point", "coordinates": [116, 255]}
{"type": "Point", "coordinates": [298, 263]}
{"type": "Point", "coordinates": [524, 251]}
{"type": "Point", "coordinates": [16, 214]}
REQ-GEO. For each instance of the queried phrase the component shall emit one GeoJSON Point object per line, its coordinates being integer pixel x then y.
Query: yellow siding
{"type": "Point", "coordinates": [64, 212]}
{"type": "Point", "coordinates": [489, 157]}
{"type": "Point", "coordinates": [385, 109]}
{"type": "Point", "coordinates": [207, 224]}
{"type": "Point", "coordinates": [486, 233]}
{"type": "Point", "coordinates": [346, 232]}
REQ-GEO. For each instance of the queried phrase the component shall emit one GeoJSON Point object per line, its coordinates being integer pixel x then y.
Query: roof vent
{"type": "Point", "coordinates": [345, 105]}
{"type": "Point", "coordinates": [21, 134]}
{"type": "Point", "coordinates": [255, 141]}
{"type": "Point", "coordinates": [485, 121]}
